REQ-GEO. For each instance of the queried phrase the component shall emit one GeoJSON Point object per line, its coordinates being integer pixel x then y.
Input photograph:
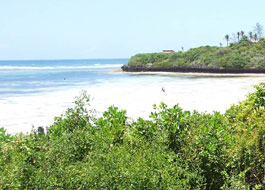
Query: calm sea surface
{"type": "Point", "coordinates": [32, 93]}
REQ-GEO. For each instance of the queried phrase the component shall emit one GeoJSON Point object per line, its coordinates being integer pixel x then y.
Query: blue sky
{"type": "Point", "coordinates": [86, 29]}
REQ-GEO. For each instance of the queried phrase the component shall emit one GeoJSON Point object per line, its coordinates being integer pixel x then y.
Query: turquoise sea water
{"type": "Point", "coordinates": [35, 76]}
{"type": "Point", "coordinates": [32, 93]}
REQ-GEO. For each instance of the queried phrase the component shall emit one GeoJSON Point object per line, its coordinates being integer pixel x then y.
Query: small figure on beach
{"type": "Point", "coordinates": [163, 89]}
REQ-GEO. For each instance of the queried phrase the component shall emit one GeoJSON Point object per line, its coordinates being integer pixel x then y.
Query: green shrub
{"type": "Point", "coordinates": [239, 55]}
{"type": "Point", "coordinates": [175, 149]}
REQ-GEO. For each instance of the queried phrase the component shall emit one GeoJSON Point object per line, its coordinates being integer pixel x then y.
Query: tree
{"type": "Point", "coordinates": [227, 38]}
{"type": "Point", "coordinates": [221, 44]}
{"type": "Point", "coordinates": [250, 35]}
{"type": "Point", "coordinates": [242, 34]}
{"type": "Point", "coordinates": [258, 29]}
{"type": "Point", "coordinates": [238, 35]}
{"type": "Point", "coordinates": [255, 37]}
{"type": "Point", "coordinates": [244, 38]}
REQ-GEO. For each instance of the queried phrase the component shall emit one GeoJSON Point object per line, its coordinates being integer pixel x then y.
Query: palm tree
{"type": "Point", "coordinates": [250, 35]}
{"type": "Point", "coordinates": [227, 38]}
{"type": "Point", "coordinates": [242, 34]}
{"type": "Point", "coordinates": [238, 35]}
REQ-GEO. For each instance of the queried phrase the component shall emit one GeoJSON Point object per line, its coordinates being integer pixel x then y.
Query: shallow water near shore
{"type": "Point", "coordinates": [32, 93]}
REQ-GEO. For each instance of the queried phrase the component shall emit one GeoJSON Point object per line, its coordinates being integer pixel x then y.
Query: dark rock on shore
{"type": "Point", "coordinates": [129, 68]}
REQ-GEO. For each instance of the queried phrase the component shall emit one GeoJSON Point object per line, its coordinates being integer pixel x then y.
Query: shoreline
{"type": "Point", "coordinates": [128, 68]}
{"type": "Point", "coordinates": [189, 73]}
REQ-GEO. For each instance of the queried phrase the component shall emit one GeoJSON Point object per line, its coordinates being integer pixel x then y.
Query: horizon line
{"type": "Point", "coordinates": [66, 59]}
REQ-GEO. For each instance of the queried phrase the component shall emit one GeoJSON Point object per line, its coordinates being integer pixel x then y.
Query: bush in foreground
{"type": "Point", "coordinates": [175, 149]}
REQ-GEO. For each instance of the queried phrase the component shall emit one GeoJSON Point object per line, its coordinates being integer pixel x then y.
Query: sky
{"type": "Point", "coordinates": [101, 29]}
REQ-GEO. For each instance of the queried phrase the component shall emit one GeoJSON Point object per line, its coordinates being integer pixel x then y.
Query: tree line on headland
{"type": "Point", "coordinates": [175, 149]}
{"type": "Point", "coordinates": [245, 55]}
{"type": "Point", "coordinates": [254, 36]}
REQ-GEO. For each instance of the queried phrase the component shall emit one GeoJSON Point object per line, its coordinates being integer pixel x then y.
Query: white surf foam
{"type": "Point", "coordinates": [95, 66]}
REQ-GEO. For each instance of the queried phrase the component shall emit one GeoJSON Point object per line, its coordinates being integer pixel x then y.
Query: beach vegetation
{"type": "Point", "coordinates": [246, 54]}
{"type": "Point", "coordinates": [174, 149]}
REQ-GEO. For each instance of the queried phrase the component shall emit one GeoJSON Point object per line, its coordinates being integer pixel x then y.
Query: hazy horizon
{"type": "Point", "coordinates": [58, 59]}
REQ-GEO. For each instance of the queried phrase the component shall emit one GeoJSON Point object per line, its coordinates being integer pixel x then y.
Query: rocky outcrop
{"type": "Point", "coordinates": [129, 68]}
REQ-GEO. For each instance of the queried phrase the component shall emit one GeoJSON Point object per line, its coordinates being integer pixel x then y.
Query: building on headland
{"type": "Point", "coordinates": [168, 51]}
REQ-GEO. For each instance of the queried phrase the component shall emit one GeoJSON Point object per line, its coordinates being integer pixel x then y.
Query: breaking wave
{"type": "Point", "coordinates": [95, 66]}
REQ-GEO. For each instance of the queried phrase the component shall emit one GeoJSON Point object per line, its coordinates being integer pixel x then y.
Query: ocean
{"type": "Point", "coordinates": [33, 92]}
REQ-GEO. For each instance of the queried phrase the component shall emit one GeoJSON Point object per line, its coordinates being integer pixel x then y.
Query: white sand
{"type": "Point", "coordinates": [136, 94]}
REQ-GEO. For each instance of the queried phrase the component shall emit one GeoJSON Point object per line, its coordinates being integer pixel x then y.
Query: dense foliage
{"type": "Point", "coordinates": [244, 54]}
{"type": "Point", "coordinates": [176, 149]}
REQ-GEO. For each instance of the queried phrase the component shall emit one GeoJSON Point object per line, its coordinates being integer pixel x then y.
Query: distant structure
{"type": "Point", "coordinates": [149, 64]}
{"type": "Point", "coordinates": [168, 51]}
